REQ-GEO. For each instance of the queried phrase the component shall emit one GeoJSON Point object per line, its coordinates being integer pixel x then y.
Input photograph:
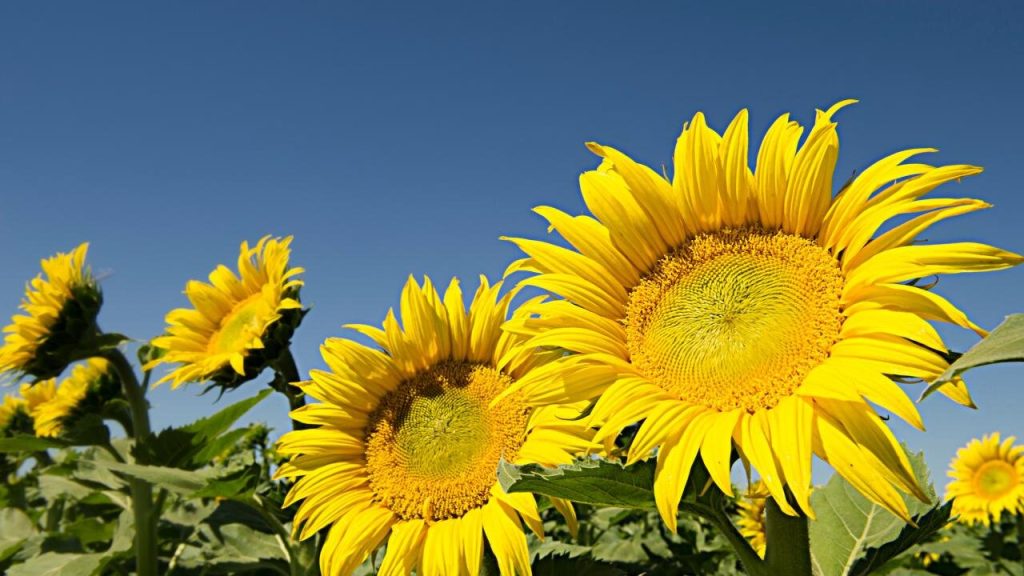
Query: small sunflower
{"type": "Point", "coordinates": [730, 306]}
{"type": "Point", "coordinates": [234, 318]}
{"type": "Point", "coordinates": [10, 410]}
{"type": "Point", "coordinates": [60, 308]}
{"type": "Point", "coordinates": [49, 417]}
{"type": "Point", "coordinates": [988, 478]}
{"type": "Point", "coordinates": [751, 512]}
{"type": "Point", "coordinates": [409, 438]}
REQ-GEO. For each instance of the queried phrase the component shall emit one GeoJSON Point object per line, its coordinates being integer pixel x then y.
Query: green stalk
{"type": "Point", "coordinates": [142, 491]}
{"type": "Point", "coordinates": [1020, 538]}
{"type": "Point", "coordinates": [287, 372]}
{"type": "Point", "coordinates": [789, 545]}
{"type": "Point", "coordinates": [752, 563]}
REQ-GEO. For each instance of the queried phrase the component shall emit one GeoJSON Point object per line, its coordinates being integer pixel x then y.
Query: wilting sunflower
{"type": "Point", "coordinates": [409, 438]}
{"type": "Point", "coordinates": [753, 307]}
{"type": "Point", "coordinates": [988, 478]}
{"type": "Point", "coordinates": [234, 318]}
{"type": "Point", "coordinates": [49, 417]}
{"type": "Point", "coordinates": [751, 511]}
{"type": "Point", "coordinates": [60, 308]}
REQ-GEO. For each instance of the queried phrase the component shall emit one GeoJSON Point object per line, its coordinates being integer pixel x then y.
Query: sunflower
{"type": "Point", "coordinates": [233, 318]}
{"type": "Point", "coordinates": [50, 416]}
{"type": "Point", "coordinates": [731, 306]}
{"type": "Point", "coordinates": [751, 521]}
{"type": "Point", "coordinates": [60, 313]}
{"type": "Point", "coordinates": [10, 409]}
{"type": "Point", "coordinates": [988, 478]}
{"type": "Point", "coordinates": [39, 393]}
{"type": "Point", "coordinates": [408, 440]}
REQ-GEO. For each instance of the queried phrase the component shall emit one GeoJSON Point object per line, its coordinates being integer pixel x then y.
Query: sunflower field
{"type": "Point", "coordinates": [588, 413]}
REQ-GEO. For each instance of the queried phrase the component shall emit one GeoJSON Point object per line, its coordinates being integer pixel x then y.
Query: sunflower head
{"type": "Point", "coordinates": [238, 323]}
{"type": "Point", "coordinates": [752, 308]}
{"type": "Point", "coordinates": [408, 438]}
{"type": "Point", "coordinates": [751, 516]}
{"type": "Point", "coordinates": [988, 478]}
{"type": "Point", "coordinates": [14, 416]}
{"type": "Point", "coordinates": [59, 319]}
{"type": "Point", "coordinates": [85, 391]}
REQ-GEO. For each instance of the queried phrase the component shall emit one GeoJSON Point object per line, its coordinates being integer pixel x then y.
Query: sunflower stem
{"type": "Point", "coordinates": [1020, 537]}
{"type": "Point", "coordinates": [142, 491]}
{"type": "Point", "coordinates": [789, 545]}
{"type": "Point", "coordinates": [752, 563]}
{"type": "Point", "coordinates": [286, 372]}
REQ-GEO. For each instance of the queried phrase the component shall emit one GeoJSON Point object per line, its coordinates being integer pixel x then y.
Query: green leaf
{"type": "Point", "coordinates": [190, 446]}
{"type": "Point", "coordinates": [15, 528]}
{"type": "Point", "coordinates": [52, 564]}
{"type": "Point", "coordinates": [927, 525]}
{"type": "Point", "coordinates": [233, 549]}
{"type": "Point", "coordinates": [1004, 344]}
{"type": "Point", "coordinates": [89, 430]}
{"type": "Point", "coordinates": [173, 479]}
{"type": "Point", "coordinates": [848, 524]}
{"type": "Point", "coordinates": [238, 484]}
{"type": "Point", "coordinates": [53, 487]}
{"type": "Point", "coordinates": [551, 547]}
{"type": "Point", "coordinates": [562, 565]}
{"type": "Point", "coordinates": [596, 482]}
{"type": "Point", "coordinates": [29, 444]}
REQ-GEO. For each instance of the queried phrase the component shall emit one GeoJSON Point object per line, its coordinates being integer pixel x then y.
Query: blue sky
{"type": "Point", "coordinates": [395, 139]}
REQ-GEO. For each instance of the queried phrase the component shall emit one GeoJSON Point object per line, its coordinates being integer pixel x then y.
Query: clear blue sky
{"type": "Point", "coordinates": [405, 138]}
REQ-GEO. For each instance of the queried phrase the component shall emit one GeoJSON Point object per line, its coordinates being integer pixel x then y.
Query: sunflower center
{"type": "Point", "coordinates": [433, 444]}
{"type": "Point", "coordinates": [995, 478]}
{"type": "Point", "coordinates": [239, 326]}
{"type": "Point", "coordinates": [735, 319]}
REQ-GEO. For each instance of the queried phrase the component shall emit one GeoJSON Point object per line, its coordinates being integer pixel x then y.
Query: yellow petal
{"type": "Point", "coordinates": [716, 449]}
{"type": "Point", "coordinates": [403, 548]}
{"type": "Point", "coordinates": [505, 536]}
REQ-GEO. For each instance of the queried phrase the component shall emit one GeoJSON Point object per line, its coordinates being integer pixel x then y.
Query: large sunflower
{"type": "Point", "coordinates": [60, 308]}
{"type": "Point", "coordinates": [231, 317]}
{"type": "Point", "coordinates": [408, 440]}
{"type": "Point", "coordinates": [731, 306]}
{"type": "Point", "coordinates": [988, 478]}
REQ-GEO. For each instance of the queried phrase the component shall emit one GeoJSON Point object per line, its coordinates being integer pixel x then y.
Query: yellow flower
{"type": "Point", "coordinates": [408, 440]}
{"type": "Point", "coordinates": [60, 312]}
{"type": "Point", "coordinates": [9, 410]}
{"type": "Point", "coordinates": [988, 478]}
{"type": "Point", "coordinates": [234, 318]}
{"type": "Point", "coordinates": [49, 416]}
{"type": "Point", "coordinates": [38, 393]}
{"type": "Point", "coordinates": [753, 307]}
{"type": "Point", "coordinates": [751, 521]}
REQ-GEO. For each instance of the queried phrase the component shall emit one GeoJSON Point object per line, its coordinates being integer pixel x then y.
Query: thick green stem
{"type": "Point", "coordinates": [752, 563]}
{"type": "Point", "coordinates": [286, 373]}
{"type": "Point", "coordinates": [1020, 538]}
{"type": "Point", "coordinates": [789, 546]}
{"type": "Point", "coordinates": [142, 491]}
